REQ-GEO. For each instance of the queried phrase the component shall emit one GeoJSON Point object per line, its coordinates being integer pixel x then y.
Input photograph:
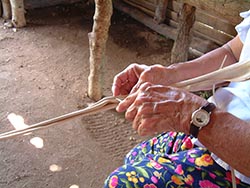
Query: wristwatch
{"type": "Point", "coordinates": [200, 118]}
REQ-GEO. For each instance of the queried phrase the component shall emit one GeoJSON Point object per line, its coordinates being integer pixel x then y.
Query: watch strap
{"type": "Point", "coordinates": [209, 107]}
{"type": "Point", "coordinates": [194, 130]}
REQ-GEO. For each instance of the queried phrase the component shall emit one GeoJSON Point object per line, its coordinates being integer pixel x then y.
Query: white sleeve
{"type": "Point", "coordinates": [244, 26]}
{"type": "Point", "coordinates": [243, 30]}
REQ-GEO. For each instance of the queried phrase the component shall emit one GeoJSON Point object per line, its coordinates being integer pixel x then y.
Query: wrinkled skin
{"type": "Point", "coordinates": [157, 108]}
{"type": "Point", "coordinates": [130, 79]}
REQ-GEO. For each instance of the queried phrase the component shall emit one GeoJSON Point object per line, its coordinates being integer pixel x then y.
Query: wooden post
{"type": "Point", "coordinates": [97, 42]}
{"type": "Point", "coordinates": [160, 11]}
{"type": "Point", "coordinates": [181, 46]}
{"type": "Point", "coordinates": [17, 9]}
{"type": "Point", "coordinates": [6, 9]}
{"type": "Point", "coordinates": [1, 9]}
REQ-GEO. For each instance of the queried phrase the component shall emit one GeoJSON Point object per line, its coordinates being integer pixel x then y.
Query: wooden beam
{"type": "Point", "coordinates": [6, 9]}
{"type": "Point", "coordinates": [181, 46]}
{"type": "Point", "coordinates": [142, 3]}
{"type": "Point", "coordinates": [137, 5]}
{"type": "Point", "coordinates": [160, 11]}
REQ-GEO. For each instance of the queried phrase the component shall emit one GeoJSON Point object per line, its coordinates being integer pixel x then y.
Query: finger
{"type": "Point", "coordinates": [119, 80]}
{"type": "Point", "coordinates": [131, 113]}
{"type": "Point", "coordinates": [129, 100]}
{"type": "Point", "coordinates": [124, 89]}
{"type": "Point", "coordinates": [125, 80]}
{"type": "Point", "coordinates": [124, 104]}
{"type": "Point", "coordinates": [142, 111]}
{"type": "Point", "coordinates": [142, 99]}
{"type": "Point", "coordinates": [136, 87]}
{"type": "Point", "coordinates": [133, 108]}
{"type": "Point", "coordinates": [148, 114]}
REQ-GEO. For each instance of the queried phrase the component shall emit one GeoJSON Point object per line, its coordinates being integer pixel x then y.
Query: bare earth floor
{"type": "Point", "coordinates": [43, 74]}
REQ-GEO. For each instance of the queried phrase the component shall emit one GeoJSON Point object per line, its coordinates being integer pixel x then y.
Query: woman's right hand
{"type": "Point", "coordinates": [127, 79]}
{"type": "Point", "coordinates": [130, 79]}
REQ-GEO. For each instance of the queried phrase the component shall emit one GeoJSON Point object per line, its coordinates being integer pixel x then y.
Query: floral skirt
{"type": "Point", "coordinates": [170, 160]}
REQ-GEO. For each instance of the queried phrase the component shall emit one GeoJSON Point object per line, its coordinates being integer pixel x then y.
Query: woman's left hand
{"type": "Point", "coordinates": [156, 108]}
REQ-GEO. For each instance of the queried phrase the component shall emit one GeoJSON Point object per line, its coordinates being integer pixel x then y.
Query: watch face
{"type": "Point", "coordinates": [200, 118]}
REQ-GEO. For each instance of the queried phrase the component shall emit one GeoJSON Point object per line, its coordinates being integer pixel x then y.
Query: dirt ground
{"type": "Point", "coordinates": [43, 74]}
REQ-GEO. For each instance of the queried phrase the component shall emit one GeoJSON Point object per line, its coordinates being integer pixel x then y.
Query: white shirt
{"type": "Point", "coordinates": [235, 98]}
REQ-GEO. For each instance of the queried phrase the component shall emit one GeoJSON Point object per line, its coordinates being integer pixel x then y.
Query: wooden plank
{"type": "Point", "coordinates": [216, 23]}
{"type": "Point", "coordinates": [201, 16]}
{"type": "Point", "coordinates": [143, 9]}
{"type": "Point", "coordinates": [171, 22]}
{"type": "Point", "coordinates": [213, 22]}
{"type": "Point", "coordinates": [204, 17]}
{"type": "Point", "coordinates": [144, 4]}
{"type": "Point", "coordinates": [172, 15]}
{"type": "Point", "coordinates": [228, 10]}
{"type": "Point", "coordinates": [203, 45]}
{"type": "Point", "coordinates": [201, 30]}
{"type": "Point", "coordinates": [212, 34]}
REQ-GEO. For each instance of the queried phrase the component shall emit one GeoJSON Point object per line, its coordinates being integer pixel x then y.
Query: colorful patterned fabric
{"type": "Point", "coordinates": [170, 160]}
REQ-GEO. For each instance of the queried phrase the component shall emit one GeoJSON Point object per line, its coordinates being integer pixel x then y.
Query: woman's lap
{"type": "Point", "coordinates": [169, 160]}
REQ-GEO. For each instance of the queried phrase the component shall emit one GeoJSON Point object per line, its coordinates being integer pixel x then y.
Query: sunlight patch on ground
{"type": "Point", "coordinates": [37, 142]}
{"type": "Point", "coordinates": [74, 186]}
{"type": "Point", "coordinates": [17, 121]}
{"type": "Point", "coordinates": [55, 168]}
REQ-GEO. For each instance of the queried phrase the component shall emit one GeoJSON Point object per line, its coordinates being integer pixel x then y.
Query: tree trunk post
{"type": "Point", "coordinates": [181, 45]}
{"type": "Point", "coordinates": [1, 9]}
{"type": "Point", "coordinates": [97, 42]}
{"type": "Point", "coordinates": [6, 9]}
{"type": "Point", "coordinates": [160, 11]}
{"type": "Point", "coordinates": [17, 9]}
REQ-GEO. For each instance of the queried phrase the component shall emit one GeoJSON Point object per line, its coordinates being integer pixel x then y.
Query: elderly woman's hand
{"type": "Point", "coordinates": [156, 108]}
{"type": "Point", "coordinates": [130, 79]}
{"type": "Point", "coordinates": [127, 79]}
